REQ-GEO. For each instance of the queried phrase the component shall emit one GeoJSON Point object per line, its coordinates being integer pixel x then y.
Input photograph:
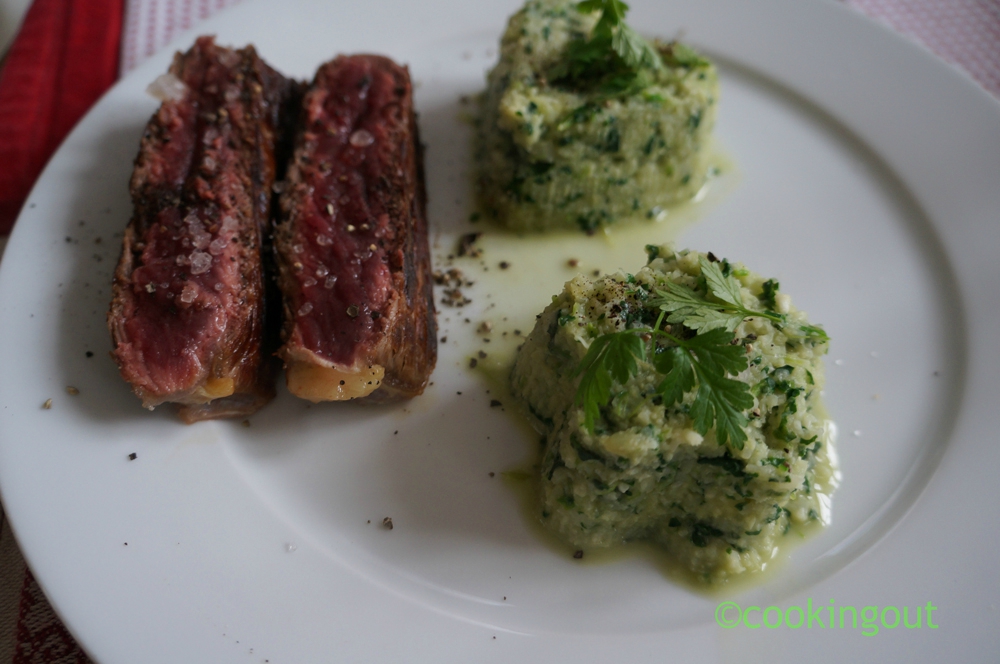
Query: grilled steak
{"type": "Point", "coordinates": [352, 252]}
{"type": "Point", "coordinates": [188, 315]}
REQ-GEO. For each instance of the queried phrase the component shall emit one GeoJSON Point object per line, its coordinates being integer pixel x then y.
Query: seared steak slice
{"type": "Point", "coordinates": [188, 315]}
{"type": "Point", "coordinates": [352, 252]}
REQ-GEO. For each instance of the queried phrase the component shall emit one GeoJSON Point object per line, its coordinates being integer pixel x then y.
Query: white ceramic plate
{"type": "Point", "coordinates": [869, 185]}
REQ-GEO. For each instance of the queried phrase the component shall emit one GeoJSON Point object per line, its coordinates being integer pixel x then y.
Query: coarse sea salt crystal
{"type": "Point", "coordinates": [200, 239]}
{"type": "Point", "coordinates": [321, 270]}
{"type": "Point", "coordinates": [305, 309]}
{"type": "Point", "coordinates": [361, 138]}
{"type": "Point", "coordinates": [200, 262]}
{"type": "Point", "coordinates": [323, 240]}
{"type": "Point", "coordinates": [167, 87]}
{"type": "Point", "coordinates": [217, 246]}
{"type": "Point", "coordinates": [309, 282]}
{"type": "Point", "coordinates": [228, 58]}
{"type": "Point", "coordinates": [330, 282]}
{"type": "Point", "coordinates": [189, 293]}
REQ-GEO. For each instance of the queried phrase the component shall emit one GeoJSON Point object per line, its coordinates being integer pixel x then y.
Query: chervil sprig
{"type": "Point", "coordinates": [613, 59]}
{"type": "Point", "coordinates": [703, 361]}
{"type": "Point", "coordinates": [634, 51]}
{"type": "Point", "coordinates": [726, 311]}
{"type": "Point", "coordinates": [698, 313]}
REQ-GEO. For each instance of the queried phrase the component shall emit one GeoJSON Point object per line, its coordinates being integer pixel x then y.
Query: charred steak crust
{"type": "Point", "coordinates": [188, 314]}
{"type": "Point", "coordinates": [351, 245]}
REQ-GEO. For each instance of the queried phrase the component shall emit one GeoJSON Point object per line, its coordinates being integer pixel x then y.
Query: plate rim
{"type": "Point", "coordinates": [894, 44]}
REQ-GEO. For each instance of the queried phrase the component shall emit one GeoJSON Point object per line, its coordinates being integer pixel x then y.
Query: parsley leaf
{"type": "Point", "coordinates": [678, 373]}
{"type": "Point", "coordinates": [702, 361]}
{"type": "Point", "coordinates": [610, 356]}
{"type": "Point", "coordinates": [720, 401]}
{"type": "Point", "coordinates": [717, 353]}
{"type": "Point", "coordinates": [615, 59]}
{"type": "Point", "coordinates": [635, 51]}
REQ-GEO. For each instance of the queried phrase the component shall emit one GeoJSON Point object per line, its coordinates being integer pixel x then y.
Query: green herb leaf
{"type": "Point", "coordinates": [768, 290]}
{"type": "Point", "coordinates": [698, 313]}
{"type": "Point", "coordinates": [635, 51]}
{"type": "Point", "coordinates": [610, 356]}
{"type": "Point", "coordinates": [726, 288]}
{"type": "Point", "coordinates": [693, 311]}
{"type": "Point", "coordinates": [614, 10]}
{"type": "Point", "coordinates": [720, 401]}
{"type": "Point", "coordinates": [717, 353]}
{"type": "Point", "coordinates": [679, 55]}
{"type": "Point", "coordinates": [811, 332]}
{"type": "Point", "coordinates": [703, 362]}
{"type": "Point", "coordinates": [678, 374]}
{"type": "Point", "coordinates": [613, 60]}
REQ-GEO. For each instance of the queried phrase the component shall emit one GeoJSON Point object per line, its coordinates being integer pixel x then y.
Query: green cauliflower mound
{"type": "Point", "coordinates": [572, 135]}
{"type": "Point", "coordinates": [645, 469]}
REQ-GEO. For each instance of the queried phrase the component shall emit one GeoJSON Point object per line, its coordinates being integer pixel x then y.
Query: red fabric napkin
{"type": "Point", "coordinates": [64, 57]}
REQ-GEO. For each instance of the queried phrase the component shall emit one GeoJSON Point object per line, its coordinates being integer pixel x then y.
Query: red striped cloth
{"type": "Point", "coordinates": [152, 24]}
{"type": "Point", "coordinates": [30, 632]}
{"type": "Point", "coordinates": [67, 53]}
{"type": "Point", "coordinates": [64, 57]}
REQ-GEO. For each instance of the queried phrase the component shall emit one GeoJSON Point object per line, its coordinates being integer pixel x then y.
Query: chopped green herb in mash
{"type": "Point", "coordinates": [679, 405]}
{"type": "Point", "coordinates": [585, 123]}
